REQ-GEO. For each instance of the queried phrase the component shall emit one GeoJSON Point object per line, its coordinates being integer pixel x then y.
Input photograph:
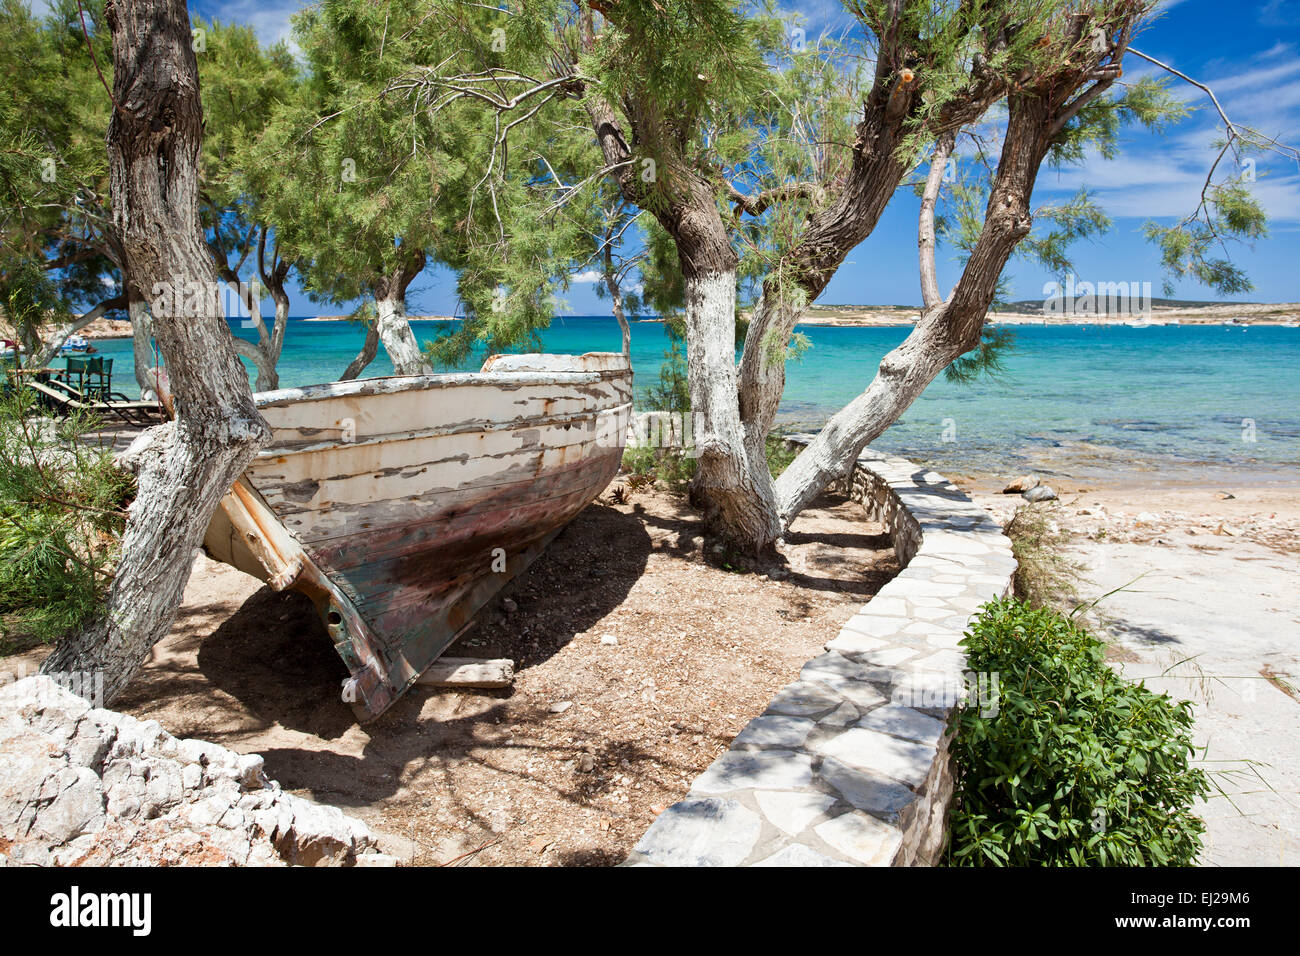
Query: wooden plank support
{"type": "Point", "coordinates": [469, 672]}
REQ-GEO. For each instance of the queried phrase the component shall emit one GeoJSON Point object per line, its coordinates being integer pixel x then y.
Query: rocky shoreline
{"type": "Point", "coordinates": [102, 328]}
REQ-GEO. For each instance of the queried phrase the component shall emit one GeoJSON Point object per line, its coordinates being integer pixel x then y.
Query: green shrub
{"type": "Point", "coordinates": [669, 468]}
{"type": "Point", "coordinates": [673, 393]}
{"type": "Point", "coordinates": [1077, 766]}
{"type": "Point", "coordinates": [62, 513]}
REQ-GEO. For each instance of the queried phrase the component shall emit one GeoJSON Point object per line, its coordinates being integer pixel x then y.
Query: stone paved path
{"type": "Point", "coordinates": [847, 766]}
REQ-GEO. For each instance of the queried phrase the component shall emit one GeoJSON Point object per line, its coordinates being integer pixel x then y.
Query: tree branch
{"type": "Point", "coordinates": [925, 229]}
{"type": "Point", "coordinates": [50, 347]}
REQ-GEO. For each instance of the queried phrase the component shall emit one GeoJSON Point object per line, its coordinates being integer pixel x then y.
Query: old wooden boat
{"type": "Point", "coordinates": [401, 505]}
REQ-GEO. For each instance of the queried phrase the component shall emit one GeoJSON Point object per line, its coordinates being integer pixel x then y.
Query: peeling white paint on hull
{"type": "Point", "coordinates": [401, 505]}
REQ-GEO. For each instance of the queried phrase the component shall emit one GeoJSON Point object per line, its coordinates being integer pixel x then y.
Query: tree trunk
{"type": "Point", "coordinates": [367, 354]}
{"type": "Point", "coordinates": [186, 465]}
{"type": "Point", "coordinates": [141, 342]}
{"type": "Point", "coordinates": [399, 341]}
{"type": "Point", "coordinates": [902, 376]}
{"type": "Point", "coordinates": [273, 279]}
{"type": "Point", "coordinates": [267, 377]}
{"type": "Point", "coordinates": [946, 330]}
{"type": "Point", "coordinates": [732, 483]}
{"type": "Point", "coordinates": [276, 345]}
{"type": "Point", "coordinates": [391, 322]}
{"type": "Point", "coordinates": [616, 296]}
{"type": "Point", "coordinates": [265, 352]}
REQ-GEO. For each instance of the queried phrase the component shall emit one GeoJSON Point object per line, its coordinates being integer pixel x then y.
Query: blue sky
{"type": "Point", "coordinates": [1249, 52]}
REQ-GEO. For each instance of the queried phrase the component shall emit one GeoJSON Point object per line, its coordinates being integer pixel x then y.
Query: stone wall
{"type": "Point", "coordinates": [848, 766]}
{"type": "Point", "coordinates": [84, 786]}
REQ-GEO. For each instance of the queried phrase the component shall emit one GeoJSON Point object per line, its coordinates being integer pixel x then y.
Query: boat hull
{"type": "Point", "coordinates": [402, 505]}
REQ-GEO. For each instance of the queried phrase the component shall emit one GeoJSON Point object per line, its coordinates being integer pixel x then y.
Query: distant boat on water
{"type": "Point", "coordinates": [401, 505]}
{"type": "Point", "coordinates": [75, 343]}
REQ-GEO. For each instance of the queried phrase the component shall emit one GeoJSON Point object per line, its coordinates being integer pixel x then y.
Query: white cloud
{"type": "Point", "coordinates": [1161, 175]}
{"type": "Point", "coordinates": [591, 275]}
{"type": "Point", "coordinates": [268, 18]}
{"type": "Point", "coordinates": [1279, 13]}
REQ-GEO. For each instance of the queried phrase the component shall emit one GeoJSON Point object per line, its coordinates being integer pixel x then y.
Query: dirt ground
{"type": "Point", "coordinates": [640, 654]}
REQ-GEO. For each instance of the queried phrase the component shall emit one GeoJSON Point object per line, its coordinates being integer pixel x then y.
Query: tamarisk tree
{"type": "Point", "coordinates": [242, 86]}
{"type": "Point", "coordinates": [54, 210]}
{"type": "Point", "coordinates": [671, 90]}
{"type": "Point", "coordinates": [185, 466]}
{"type": "Point", "coordinates": [368, 186]}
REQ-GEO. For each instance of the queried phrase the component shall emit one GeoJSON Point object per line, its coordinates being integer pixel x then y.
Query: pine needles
{"type": "Point", "coordinates": [62, 512]}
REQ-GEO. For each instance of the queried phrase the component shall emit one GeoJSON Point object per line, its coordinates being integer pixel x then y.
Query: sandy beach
{"type": "Point", "coordinates": [102, 328]}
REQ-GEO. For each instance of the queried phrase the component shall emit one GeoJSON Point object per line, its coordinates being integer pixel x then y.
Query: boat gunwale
{"type": "Point", "coordinates": [396, 384]}
{"type": "Point", "coordinates": [283, 450]}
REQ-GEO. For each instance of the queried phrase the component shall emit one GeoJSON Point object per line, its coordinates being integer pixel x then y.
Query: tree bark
{"type": "Point", "coordinates": [735, 409]}
{"type": "Point", "coordinates": [265, 352]}
{"type": "Point", "coordinates": [925, 238]}
{"type": "Point", "coordinates": [732, 481]}
{"type": "Point", "coordinates": [616, 297]}
{"type": "Point", "coordinates": [391, 322]}
{"type": "Point", "coordinates": [732, 484]}
{"type": "Point", "coordinates": [188, 464]}
{"type": "Point", "coordinates": [399, 341]}
{"type": "Point", "coordinates": [273, 279]}
{"type": "Point", "coordinates": [141, 342]}
{"type": "Point", "coordinates": [369, 349]}
{"type": "Point", "coordinates": [945, 331]}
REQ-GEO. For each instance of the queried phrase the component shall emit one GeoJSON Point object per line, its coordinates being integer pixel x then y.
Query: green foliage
{"type": "Point", "coordinates": [53, 165]}
{"type": "Point", "coordinates": [28, 296]}
{"type": "Point", "coordinates": [1229, 211]}
{"type": "Point", "coordinates": [986, 360]}
{"type": "Point", "coordinates": [1079, 218]}
{"type": "Point", "coordinates": [671, 468]}
{"type": "Point", "coordinates": [668, 468]}
{"type": "Point", "coordinates": [1045, 576]}
{"type": "Point", "coordinates": [62, 513]}
{"type": "Point", "coordinates": [1077, 767]}
{"type": "Point", "coordinates": [798, 129]}
{"type": "Point", "coordinates": [673, 392]}
{"type": "Point", "coordinates": [242, 85]}
{"type": "Point", "coordinates": [779, 454]}
{"type": "Point", "coordinates": [663, 288]}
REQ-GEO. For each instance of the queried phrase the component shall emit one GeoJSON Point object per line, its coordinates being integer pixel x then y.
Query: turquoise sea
{"type": "Point", "coordinates": [1180, 401]}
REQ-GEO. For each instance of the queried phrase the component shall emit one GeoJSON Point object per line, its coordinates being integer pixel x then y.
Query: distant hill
{"type": "Point", "coordinates": [1029, 306]}
{"type": "Point", "coordinates": [1035, 306]}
